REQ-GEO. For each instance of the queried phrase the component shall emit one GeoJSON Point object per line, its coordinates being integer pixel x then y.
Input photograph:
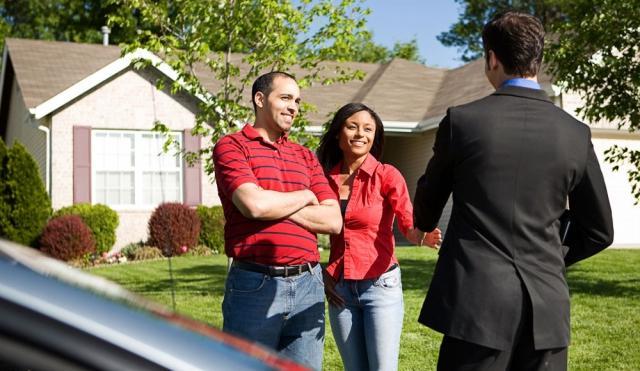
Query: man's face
{"type": "Point", "coordinates": [280, 107]}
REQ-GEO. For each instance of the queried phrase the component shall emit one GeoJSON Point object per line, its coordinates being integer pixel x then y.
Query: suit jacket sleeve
{"type": "Point", "coordinates": [591, 228]}
{"type": "Point", "coordinates": [435, 186]}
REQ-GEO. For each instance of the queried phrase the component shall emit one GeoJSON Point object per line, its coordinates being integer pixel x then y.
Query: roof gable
{"type": "Point", "coordinates": [43, 69]}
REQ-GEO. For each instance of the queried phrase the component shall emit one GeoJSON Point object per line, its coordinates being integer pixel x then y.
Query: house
{"type": "Point", "coordinates": [85, 114]}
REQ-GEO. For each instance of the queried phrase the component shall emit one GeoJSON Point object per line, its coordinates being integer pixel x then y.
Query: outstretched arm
{"type": "Point", "coordinates": [434, 187]}
{"type": "Point", "coordinates": [396, 192]}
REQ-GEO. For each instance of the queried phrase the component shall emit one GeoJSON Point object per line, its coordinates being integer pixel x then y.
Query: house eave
{"type": "Point", "coordinates": [395, 127]}
{"type": "Point", "coordinates": [100, 76]}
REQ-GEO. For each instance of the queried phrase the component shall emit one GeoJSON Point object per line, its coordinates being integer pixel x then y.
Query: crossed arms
{"type": "Point", "coordinates": [301, 207]}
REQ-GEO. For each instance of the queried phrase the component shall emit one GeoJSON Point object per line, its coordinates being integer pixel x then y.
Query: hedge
{"type": "Point", "coordinates": [101, 220]}
{"type": "Point", "coordinates": [24, 203]}
{"type": "Point", "coordinates": [67, 237]}
{"type": "Point", "coordinates": [211, 227]}
{"type": "Point", "coordinates": [173, 227]}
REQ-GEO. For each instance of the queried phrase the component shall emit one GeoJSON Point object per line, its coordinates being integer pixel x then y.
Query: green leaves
{"type": "Point", "coordinates": [597, 54]}
{"type": "Point", "coordinates": [620, 155]}
{"type": "Point", "coordinates": [66, 20]}
{"type": "Point", "coordinates": [592, 49]}
{"type": "Point", "coordinates": [218, 48]}
{"type": "Point", "coordinates": [466, 33]}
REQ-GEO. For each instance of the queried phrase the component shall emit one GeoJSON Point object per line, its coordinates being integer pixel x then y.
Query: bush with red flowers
{"type": "Point", "coordinates": [173, 228]}
{"type": "Point", "coordinates": [66, 238]}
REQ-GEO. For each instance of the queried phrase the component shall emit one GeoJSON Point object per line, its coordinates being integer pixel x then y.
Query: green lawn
{"type": "Point", "coordinates": [605, 311]}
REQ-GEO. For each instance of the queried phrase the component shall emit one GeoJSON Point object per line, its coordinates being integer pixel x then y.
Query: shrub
{"type": "Point", "coordinates": [146, 253]}
{"type": "Point", "coordinates": [172, 226]}
{"type": "Point", "coordinates": [82, 262]}
{"type": "Point", "coordinates": [130, 249]}
{"type": "Point", "coordinates": [200, 250]}
{"type": "Point", "coordinates": [24, 203]}
{"type": "Point", "coordinates": [66, 238]}
{"type": "Point", "coordinates": [211, 227]}
{"type": "Point", "coordinates": [101, 220]}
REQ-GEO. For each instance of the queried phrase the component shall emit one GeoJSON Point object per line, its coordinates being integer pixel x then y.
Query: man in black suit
{"type": "Point", "coordinates": [512, 161]}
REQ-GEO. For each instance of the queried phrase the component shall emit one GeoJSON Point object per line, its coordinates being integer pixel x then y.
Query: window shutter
{"type": "Point", "coordinates": [192, 174]}
{"type": "Point", "coordinates": [81, 164]}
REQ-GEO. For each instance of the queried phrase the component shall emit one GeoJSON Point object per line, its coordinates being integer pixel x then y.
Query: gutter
{"type": "Point", "coordinates": [47, 156]}
{"type": "Point", "coordinates": [395, 127]}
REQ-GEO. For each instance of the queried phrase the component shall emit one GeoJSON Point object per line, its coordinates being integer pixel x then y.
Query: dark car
{"type": "Point", "coordinates": [54, 317]}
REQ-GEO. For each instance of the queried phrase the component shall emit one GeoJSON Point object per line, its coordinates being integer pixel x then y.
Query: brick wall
{"type": "Point", "coordinates": [130, 101]}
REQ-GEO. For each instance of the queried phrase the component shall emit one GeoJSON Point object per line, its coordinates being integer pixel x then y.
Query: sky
{"type": "Point", "coordinates": [402, 20]}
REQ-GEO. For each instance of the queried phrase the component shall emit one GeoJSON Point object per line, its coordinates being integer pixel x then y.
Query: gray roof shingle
{"type": "Point", "coordinates": [399, 90]}
{"type": "Point", "coordinates": [45, 68]}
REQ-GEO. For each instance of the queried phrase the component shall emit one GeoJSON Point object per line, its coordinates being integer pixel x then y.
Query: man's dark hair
{"type": "Point", "coordinates": [329, 152]}
{"type": "Point", "coordinates": [517, 39]}
{"type": "Point", "coordinates": [264, 84]}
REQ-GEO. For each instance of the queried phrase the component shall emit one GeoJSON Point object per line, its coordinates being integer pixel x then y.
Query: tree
{"type": "Point", "coordinates": [466, 33]}
{"type": "Point", "coordinates": [197, 37]}
{"type": "Point", "coordinates": [596, 53]}
{"type": "Point", "coordinates": [408, 51]}
{"type": "Point", "coordinates": [593, 50]}
{"type": "Point", "coordinates": [64, 20]}
{"type": "Point", "coordinates": [367, 51]}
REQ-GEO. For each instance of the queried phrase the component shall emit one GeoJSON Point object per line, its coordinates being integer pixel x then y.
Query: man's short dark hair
{"type": "Point", "coordinates": [264, 84]}
{"type": "Point", "coordinates": [517, 39]}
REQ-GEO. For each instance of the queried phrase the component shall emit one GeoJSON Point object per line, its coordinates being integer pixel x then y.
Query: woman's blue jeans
{"type": "Point", "coordinates": [283, 313]}
{"type": "Point", "coordinates": [367, 330]}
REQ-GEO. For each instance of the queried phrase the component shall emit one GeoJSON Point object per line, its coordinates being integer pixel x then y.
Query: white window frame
{"type": "Point", "coordinates": [137, 169]}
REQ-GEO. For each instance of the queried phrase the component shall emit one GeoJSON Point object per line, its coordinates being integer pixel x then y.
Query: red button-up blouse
{"type": "Point", "coordinates": [365, 247]}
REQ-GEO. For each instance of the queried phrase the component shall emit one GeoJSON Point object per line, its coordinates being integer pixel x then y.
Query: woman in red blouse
{"type": "Point", "coordinates": [362, 279]}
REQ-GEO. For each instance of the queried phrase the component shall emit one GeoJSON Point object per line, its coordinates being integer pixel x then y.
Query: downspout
{"type": "Point", "coordinates": [47, 156]}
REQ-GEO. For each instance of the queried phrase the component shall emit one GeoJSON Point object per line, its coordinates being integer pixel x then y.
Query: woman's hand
{"type": "Point", "coordinates": [433, 239]}
{"type": "Point", "coordinates": [415, 236]}
{"type": "Point", "coordinates": [330, 290]}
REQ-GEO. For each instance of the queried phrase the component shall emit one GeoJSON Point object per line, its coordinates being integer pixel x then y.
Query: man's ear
{"type": "Point", "coordinates": [259, 99]}
{"type": "Point", "coordinates": [492, 61]}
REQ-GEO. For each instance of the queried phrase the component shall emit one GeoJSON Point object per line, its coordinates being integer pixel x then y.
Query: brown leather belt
{"type": "Point", "coordinates": [392, 267]}
{"type": "Point", "coordinates": [274, 270]}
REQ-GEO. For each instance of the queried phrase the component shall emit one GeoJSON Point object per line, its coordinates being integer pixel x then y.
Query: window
{"type": "Point", "coordinates": [130, 169]}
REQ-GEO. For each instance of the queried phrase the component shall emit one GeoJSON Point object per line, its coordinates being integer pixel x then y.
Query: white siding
{"type": "Point", "coordinates": [626, 215]}
{"type": "Point", "coordinates": [21, 128]}
{"type": "Point", "coordinates": [570, 102]}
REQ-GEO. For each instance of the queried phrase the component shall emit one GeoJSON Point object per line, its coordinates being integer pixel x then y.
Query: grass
{"type": "Point", "coordinates": [605, 295]}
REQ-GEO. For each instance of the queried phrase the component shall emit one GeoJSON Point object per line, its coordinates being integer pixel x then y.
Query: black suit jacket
{"type": "Point", "coordinates": [511, 161]}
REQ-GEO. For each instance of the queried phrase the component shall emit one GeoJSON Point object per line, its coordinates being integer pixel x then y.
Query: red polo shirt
{"type": "Point", "coordinates": [365, 247]}
{"type": "Point", "coordinates": [245, 157]}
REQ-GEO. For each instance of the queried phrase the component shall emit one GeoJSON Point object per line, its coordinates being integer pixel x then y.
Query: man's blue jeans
{"type": "Point", "coordinates": [283, 313]}
{"type": "Point", "coordinates": [367, 330]}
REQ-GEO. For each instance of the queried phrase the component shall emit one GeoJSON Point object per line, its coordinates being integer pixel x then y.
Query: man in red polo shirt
{"type": "Point", "coordinates": [275, 199]}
